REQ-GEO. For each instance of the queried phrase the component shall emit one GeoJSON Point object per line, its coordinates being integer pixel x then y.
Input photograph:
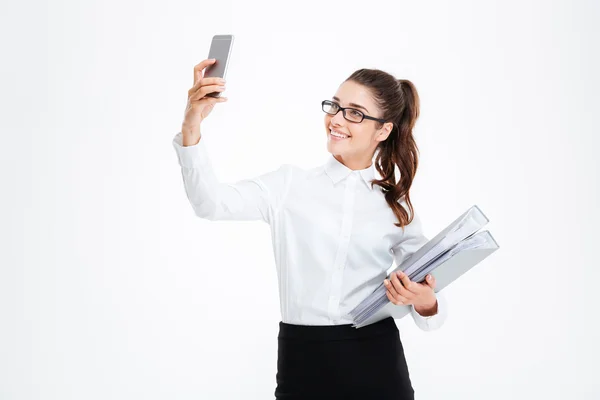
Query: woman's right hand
{"type": "Point", "coordinates": [199, 105]}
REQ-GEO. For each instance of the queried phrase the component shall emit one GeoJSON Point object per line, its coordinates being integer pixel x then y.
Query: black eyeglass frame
{"type": "Point", "coordinates": [343, 110]}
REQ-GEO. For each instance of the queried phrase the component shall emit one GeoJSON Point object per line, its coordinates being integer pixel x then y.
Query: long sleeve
{"type": "Point", "coordinates": [257, 198]}
{"type": "Point", "coordinates": [412, 240]}
{"type": "Point", "coordinates": [434, 321]}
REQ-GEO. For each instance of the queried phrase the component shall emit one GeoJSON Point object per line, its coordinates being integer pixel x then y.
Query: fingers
{"type": "Point", "coordinates": [403, 291]}
{"type": "Point", "coordinates": [407, 283]}
{"type": "Point", "coordinates": [398, 291]}
{"type": "Point", "coordinates": [199, 67]}
{"type": "Point", "coordinates": [397, 299]}
{"type": "Point", "coordinates": [404, 286]}
{"type": "Point", "coordinates": [430, 280]}
{"type": "Point", "coordinates": [203, 86]}
{"type": "Point", "coordinates": [208, 81]}
{"type": "Point", "coordinates": [207, 100]}
{"type": "Point", "coordinates": [201, 91]}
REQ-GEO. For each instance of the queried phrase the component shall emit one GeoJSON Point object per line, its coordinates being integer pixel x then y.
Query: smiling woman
{"type": "Point", "coordinates": [336, 229]}
{"type": "Point", "coordinates": [354, 136]}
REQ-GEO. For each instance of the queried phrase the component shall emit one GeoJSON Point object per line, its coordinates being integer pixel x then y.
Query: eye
{"type": "Point", "coordinates": [355, 113]}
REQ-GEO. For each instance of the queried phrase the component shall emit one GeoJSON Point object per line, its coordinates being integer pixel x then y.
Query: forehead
{"type": "Point", "coordinates": [352, 92]}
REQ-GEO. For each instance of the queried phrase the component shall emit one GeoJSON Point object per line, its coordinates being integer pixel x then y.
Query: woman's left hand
{"type": "Point", "coordinates": [403, 291]}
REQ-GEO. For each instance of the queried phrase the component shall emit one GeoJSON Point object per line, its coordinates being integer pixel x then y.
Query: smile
{"type": "Point", "coordinates": [337, 135]}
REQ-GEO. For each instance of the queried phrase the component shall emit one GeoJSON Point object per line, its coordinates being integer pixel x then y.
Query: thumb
{"type": "Point", "coordinates": [430, 281]}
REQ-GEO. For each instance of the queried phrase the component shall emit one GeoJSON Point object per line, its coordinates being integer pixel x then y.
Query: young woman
{"type": "Point", "coordinates": [336, 229]}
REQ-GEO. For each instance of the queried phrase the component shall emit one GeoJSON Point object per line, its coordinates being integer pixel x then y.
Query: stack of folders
{"type": "Point", "coordinates": [451, 253]}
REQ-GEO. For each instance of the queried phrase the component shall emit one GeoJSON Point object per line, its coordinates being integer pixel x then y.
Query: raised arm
{"type": "Point", "coordinates": [258, 198]}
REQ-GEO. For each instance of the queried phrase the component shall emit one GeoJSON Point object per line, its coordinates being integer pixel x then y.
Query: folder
{"type": "Point", "coordinates": [450, 254]}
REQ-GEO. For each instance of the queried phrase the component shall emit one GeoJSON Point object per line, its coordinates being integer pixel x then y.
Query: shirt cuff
{"type": "Point", "coordinates": [190, 156]}
{"type": "Point", "coordinates": [435, 321]}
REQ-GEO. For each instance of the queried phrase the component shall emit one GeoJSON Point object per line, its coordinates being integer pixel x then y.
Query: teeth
{"type": "Point", "coordinates": [338, 134]}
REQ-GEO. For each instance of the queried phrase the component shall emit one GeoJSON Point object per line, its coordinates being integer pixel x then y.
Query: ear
{"type": "Point", "coordinates": [385, 131]}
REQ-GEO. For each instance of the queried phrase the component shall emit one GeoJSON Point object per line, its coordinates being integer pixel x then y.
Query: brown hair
{"type": "Point", "coordinates": [399, 100]}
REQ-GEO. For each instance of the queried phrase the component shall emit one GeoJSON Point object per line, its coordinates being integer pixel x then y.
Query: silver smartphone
{"type": "Point", "coordinates": [220, 50]}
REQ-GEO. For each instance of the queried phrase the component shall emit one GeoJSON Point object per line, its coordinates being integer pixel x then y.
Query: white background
{"type": "Point", "coordinates": [111, 288]}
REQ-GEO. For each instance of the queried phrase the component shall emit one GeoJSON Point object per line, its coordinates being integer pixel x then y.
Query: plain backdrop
{"type": "Point", "coordinates": [111, 288]}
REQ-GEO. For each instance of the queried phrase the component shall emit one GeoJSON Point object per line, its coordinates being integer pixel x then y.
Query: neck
{"type": "Point", "coordinates": [355, 163]}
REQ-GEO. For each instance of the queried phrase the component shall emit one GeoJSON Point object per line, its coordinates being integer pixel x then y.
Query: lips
{"type": "Point", "coordinates": [345, 135]}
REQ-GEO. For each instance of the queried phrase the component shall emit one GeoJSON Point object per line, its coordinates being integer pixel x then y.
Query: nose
{"type": "Point", "coordinates": [338, 119]}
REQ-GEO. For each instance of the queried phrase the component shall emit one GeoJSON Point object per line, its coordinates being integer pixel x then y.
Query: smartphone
{"type": "Point", "coordinates": [220, 50]}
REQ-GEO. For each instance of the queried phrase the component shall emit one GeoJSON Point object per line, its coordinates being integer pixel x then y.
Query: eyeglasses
{"type": "Point", "coordinates": [351, 114]}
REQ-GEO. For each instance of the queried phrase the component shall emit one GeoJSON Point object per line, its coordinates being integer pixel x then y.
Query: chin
{"type": "Point", "coordinates": [332, 149]}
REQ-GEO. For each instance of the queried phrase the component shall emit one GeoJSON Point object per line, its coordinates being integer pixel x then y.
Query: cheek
{"type": "Point", "coordinates": [359, 135]}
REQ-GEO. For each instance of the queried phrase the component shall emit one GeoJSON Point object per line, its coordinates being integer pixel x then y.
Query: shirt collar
{"type": "Point", "coordinates": [338, 171]}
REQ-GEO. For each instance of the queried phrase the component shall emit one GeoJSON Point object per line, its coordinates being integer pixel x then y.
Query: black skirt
{"type": "Point", "coordinates": [342, 362]}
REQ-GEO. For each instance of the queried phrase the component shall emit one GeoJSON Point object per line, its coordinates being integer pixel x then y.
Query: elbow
{"type": "Point", "coordinates": [205, 214]}
{"type": "Point", "coordinates": [205, 210]}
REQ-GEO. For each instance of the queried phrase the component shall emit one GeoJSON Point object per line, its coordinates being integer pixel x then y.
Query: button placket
{"type": "Point", "coordinates": [340, 260]}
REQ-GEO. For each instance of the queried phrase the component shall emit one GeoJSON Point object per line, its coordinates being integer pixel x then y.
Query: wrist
{"type": "Point", "coordinates": [188, 129]}
{"type": "Point", "coordinates": [428, 309]}
{"type": "Point", "coordinates": [191, 135]}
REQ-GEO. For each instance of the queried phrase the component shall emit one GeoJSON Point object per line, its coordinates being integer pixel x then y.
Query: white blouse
{"type": "Point", "coordinates": [334, 237]}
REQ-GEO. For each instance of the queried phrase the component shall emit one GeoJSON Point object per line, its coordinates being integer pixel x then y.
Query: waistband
{"type": "Point", "coordinates": [335, 332]}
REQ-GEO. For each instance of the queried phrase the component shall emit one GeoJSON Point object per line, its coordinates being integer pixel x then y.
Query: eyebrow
{"type": "Point", "coordinates": [351, 104]}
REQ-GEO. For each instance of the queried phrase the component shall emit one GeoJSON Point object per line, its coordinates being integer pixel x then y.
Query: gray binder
{"type": "Point", "coordinates": [450, 254]}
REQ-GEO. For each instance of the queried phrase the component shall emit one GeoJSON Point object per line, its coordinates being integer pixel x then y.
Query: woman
{"type": "Point", "coordinates": [336, 229]}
